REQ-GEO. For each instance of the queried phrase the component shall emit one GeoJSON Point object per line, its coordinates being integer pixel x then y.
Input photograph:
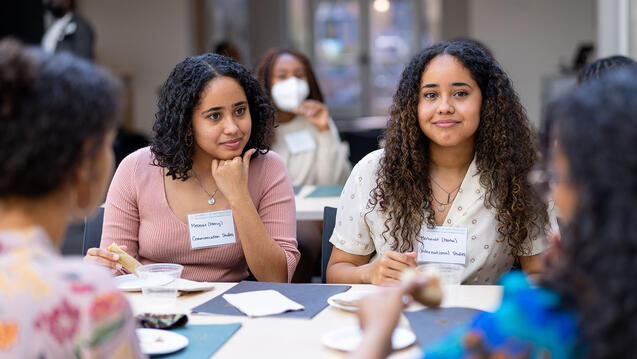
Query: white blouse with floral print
{"type": "Point", "coordinates": [487, 255]}
{"type": "Point", "coordinates": [54, 307]}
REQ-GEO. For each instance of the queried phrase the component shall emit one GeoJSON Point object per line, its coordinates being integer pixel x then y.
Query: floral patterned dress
{"type": "Point", "coordinates": [530, 323]}
{"type": "Point", "coordinates": [54, 307]}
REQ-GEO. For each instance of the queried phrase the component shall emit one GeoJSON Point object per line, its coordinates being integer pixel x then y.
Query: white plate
{"type": "Point", "coordinates": [347, 296]}
{"type": "Point", "coordinates": [131, 283]}
{"type": "Point", "coordinates": [157, 341]}
{"type": "Point", "coordinates": [348, 338]}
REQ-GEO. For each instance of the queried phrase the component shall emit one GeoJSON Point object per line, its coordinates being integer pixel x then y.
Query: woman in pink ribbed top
{"type": "Point", "coordinates": [209, 154]}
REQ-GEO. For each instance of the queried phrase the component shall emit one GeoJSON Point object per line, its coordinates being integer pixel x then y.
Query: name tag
{"type": "Point", "coordinates": [443, 245]}
{"type": "Point", "coordinates": [300, 141]}
{"type": "Point", "coordinates": [211, 229]}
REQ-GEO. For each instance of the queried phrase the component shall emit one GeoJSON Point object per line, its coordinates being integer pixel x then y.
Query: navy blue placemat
{"type": "Point", "coordinates": [431, 324]}
{"type": "Point", "coordinates": [312, 296]}
{"type": "Point", "coordinates": [203, 340]}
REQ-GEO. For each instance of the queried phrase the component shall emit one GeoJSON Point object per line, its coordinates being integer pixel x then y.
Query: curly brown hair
{"type": "Point", "coordinates": [181, 93]}
{"type": "Point", "coordinates": [504, 153]}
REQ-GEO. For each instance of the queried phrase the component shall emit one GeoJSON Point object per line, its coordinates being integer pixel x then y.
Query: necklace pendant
{"type": "Point", "coordinates": [211, 201]}
{"type": "Point", "coordinates": [441, 207]}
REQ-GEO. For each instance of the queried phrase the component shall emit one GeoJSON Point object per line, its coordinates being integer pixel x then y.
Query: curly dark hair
{"type": "Point", "coordinates": [596, 128]}
{"type": "Point", "coordinates": [50, 107]}
{"type": "Point", "coordinates": [504, 151]}
{"type": "Point", "coordinates": [172, 143]}
{"type": "Point", "coordinates": [263, 70]}
{"type": "Point", "coordinates": [599, 67]}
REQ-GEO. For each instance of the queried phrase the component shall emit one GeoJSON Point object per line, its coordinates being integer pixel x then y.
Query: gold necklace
{"type": "Point", "coordinates": [442, 206]}
{"type": "Point", "coordinates": [211, 197]}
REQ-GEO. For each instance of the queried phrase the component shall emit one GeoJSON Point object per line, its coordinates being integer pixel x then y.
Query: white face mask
{"type": "Point", "coordinates": [289, 94]}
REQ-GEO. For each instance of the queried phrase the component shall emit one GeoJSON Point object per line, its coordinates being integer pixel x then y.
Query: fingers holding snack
{"type": "Point", "coordinates": [129, 263]}
{"type": "Point", "coordinates": [104, 258]}
{"type": "Point", "coordinates": [423, 287]}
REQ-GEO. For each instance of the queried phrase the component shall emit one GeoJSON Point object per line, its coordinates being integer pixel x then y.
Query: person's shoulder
{"type": "Point", "coordinates": [268, 161]}
{"type": "Point", "coordinates": [140, 157]}
{"type": "Point", "coordinates": [370, 162]}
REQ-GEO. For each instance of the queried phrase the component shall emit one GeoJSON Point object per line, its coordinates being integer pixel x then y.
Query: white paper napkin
{"type": "Point", "coordinates": [262, 302]}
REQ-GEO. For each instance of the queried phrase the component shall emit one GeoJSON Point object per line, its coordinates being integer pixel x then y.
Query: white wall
{"type": "Point", "coordinates": [531, 37]}
{"type": "Point", "coordinates": [143, 38]}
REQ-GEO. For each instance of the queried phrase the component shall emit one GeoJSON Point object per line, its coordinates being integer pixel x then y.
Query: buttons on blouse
{"type": "Point", "coordinates": [352, 196]}
{"type": "Point", "coordinates": [473, 260]}
{"type": "Point", "coordinates": [473, 238]}
{"type": "Point", "coordinates": [460, 190]}
{"type": "Point", "coordinates": [477, 191]}
{"type": "Point", "coordinates": [448, 221]}
{"type": "Point", "coordinates": [486, 246]}
{"type": "Point", "coordinates": [474, 221]}
{"type": "Point", "coordinates": [459, 208]}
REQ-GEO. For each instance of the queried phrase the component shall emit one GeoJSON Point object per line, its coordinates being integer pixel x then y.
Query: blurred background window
{"type": "Point", "coordinates": [359, 47]}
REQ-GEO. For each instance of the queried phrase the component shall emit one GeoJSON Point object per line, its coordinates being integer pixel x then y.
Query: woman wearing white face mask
{"type": "Point", "coordinates": [306, 138]}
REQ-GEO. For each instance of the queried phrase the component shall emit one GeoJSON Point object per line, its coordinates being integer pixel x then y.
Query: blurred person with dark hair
{"type": "Point", "coordinates": [57, 123]}
{"type": "Point", "coordinates": [586, 302]}
{"type": "Point", "coordinates": [208, 162]}
{"type": "Point", "coordinates": [227, 48]}
{"type": "Point", "coordinates": [68, 31]}
{"type": "Point", "coordinates": [600, 67]}
{"type": "Point", "coordinates": [306, 137]}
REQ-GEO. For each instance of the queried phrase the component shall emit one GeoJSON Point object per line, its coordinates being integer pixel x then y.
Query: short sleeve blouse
{"type": "Point", "coordinates": [488, 256]}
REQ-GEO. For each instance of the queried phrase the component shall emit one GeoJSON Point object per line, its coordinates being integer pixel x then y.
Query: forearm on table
{"type": "Point", "coordinates": [345, 272]}
{"type": "Point", "coordinates": [264, 256]}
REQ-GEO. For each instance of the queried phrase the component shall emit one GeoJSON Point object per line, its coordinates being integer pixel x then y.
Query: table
{"type": "Point", "coordinates": [311, 209]}
{"type": "Point", "coordinates": [293, 338]}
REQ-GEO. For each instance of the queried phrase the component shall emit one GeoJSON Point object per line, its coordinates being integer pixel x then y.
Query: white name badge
{"type": "Point", "coordinates": [300, 141]}
{"type": "Point", "coordinates": [211, 229]}
{"type": "Point", "coordinates": [443, 245]}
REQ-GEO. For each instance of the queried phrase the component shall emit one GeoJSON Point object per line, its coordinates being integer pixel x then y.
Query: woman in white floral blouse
{"type": "Point", "coordinates": [57, 123]}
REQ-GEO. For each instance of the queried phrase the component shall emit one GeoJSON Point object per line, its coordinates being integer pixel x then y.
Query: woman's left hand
{"type": "Point", "coordinates": [231, 176]}
{"type": "Point", "coordinates": [316, 113]}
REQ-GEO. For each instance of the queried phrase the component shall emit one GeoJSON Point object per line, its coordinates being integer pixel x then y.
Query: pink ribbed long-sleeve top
{"type": "Point", "coordinates": [137, 215]}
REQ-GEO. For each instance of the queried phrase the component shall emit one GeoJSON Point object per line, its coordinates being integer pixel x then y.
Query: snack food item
{"type": "Point", "coordinates": [128, 262]}
{"type": "Point", "coordinates": [431, 294]}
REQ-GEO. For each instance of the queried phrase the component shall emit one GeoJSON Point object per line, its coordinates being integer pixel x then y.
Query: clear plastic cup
{"type": "Point", "coordinates": [159, 286]}
{"type": "Point", "coordinates": [448, 273]}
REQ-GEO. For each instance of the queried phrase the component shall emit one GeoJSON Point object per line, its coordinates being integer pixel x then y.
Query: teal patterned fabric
{"type": "Point", "coordinates": [530, 323]}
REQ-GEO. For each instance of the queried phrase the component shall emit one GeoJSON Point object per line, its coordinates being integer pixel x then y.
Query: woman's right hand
{"type": "Point", "coordinates": [104, 258]}
{"type": "Point", "coordinates": [389, 266]}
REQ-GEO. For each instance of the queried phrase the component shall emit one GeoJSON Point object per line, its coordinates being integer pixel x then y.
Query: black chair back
{"type": "Point", "coordinates": [329, 220]}
{"type": "Point", "coordinates": [93, 230]}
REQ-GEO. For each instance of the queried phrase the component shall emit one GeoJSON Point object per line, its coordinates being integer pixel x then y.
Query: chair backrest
{"type": "Point", "coordinates": [93, 230]}
{"type": "Point", "coordinates": [329, 220]}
